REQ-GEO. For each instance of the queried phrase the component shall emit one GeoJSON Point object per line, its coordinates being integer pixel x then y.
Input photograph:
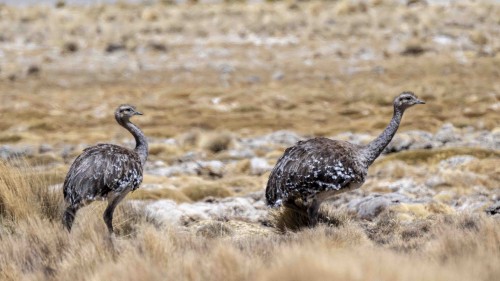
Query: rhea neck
{"type": "Point", "coordinates": [141, 144]}
{"type": "Point", "coordinates": [375, 148]}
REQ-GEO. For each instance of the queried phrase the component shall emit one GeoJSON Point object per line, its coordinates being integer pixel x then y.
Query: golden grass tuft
{"type": "Point", "coordinates": [164, 151]}
{"type": "Point", "coordinates": [420, 156]}
{"type": "Point", "coordinates": [489, 167]}
{"type": "Point", "coordinates": [162, 193]}
{"type": "Point", "coordinates": [10, 138]}
{"type": "Point", "coordinates": [22, 197]}
{"type": "Point", "coordinates": [215, 141]}
{"type": "Point", "coordinates": [444, 247]}
{"type": "Point", "coordinates": [214, 229]}
{"type": "Point", "coordinates": [201, 191]}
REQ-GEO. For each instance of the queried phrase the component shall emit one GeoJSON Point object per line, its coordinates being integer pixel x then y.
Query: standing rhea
{"type": "Point", "coordinates": [319, 168]}
{"type": "Point", "coordinates": [106, 171]}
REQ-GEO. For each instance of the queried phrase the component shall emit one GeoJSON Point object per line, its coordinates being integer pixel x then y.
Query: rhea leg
{"type": "Point", "coordinates": [113, 200]}
{"type": "Point", "coordinates": [312, 212]}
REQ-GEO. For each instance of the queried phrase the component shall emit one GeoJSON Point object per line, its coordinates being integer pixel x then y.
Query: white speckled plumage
{"type": "Point", "coordinates": [319, 168]}
{"type": "Point", "coordinates": [106, 171]}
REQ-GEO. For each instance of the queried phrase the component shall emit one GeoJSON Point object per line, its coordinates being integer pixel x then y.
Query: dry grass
{"type": "Point", "coordinates": [35, 246]}
{"type": "Point", "coordinates": [162, 193]}
{"type": "Point", "coordinates": [201, 191]}
{"type": "Point", "coordinates": [24, 194]}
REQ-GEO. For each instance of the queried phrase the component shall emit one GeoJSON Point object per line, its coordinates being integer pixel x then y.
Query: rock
{"type": "Point", "coordinates": [399, 143]}
{"type": "Point", "coordinates": [213, 168]}
{"type": "Point", "coordinates": [421, 140]}
{"type": "Point", "coordinates": [278, 75]}
{"type": "Point", "coordinates": [283, 137]}
{"type": "Point", "coordinates": [455, 161]}
{"type": "Point", "coordinates": [371, 206]}
{"type": "Point", "coordinates": [243, 153]}
{"type": "Point", "coordinates": [232, 208]}
{"type": "Point", "coordinates": [435, 181]}
{"type": "Point", "coordinates": [184, 168]}
{"type": "Point", "coordinates": [258, 166]}
{"type": "Point", "coordinates": [360, 139]}
{"type": "Point", "coordinates": [9, 152]}
{"type": "Point", "coordinates": [493, 209]}
{"type": "Point", "coordinates": [411, 187]}
{"type": "Point", "coordinates": [226, 68]}
{"type": "Point", "coordinates": [45, 148]}
{"type": "Point", "coordinates": [253, 79]}
{"type": "Point", "coordinates": [447, 133]}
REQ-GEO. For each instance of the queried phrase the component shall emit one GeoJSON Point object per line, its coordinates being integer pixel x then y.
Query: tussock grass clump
{"type": "Point", "coordinates": [216, 141]}
{"type": "Point", "coordinates": [198, 192]}
{"type": "Point", "coordinates": [212, 141]}
{"type": "Point", "coordinates": [214, 229]}
{"type": "Point", "coordinates": [164, 151]}
{"type": "Point", "coordinates": [23, 197]}
{"type": "Point", "coordinates": [156, 194]}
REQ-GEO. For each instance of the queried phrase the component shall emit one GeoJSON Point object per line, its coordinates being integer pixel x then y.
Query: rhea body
{"type": "Point", "coordinates": [106, 171]}
{"type": "Point", "coordinates": [317, 169]}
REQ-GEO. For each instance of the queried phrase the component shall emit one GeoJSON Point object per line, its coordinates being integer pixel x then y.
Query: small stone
{"type": "Point", "coordinates": [493, 209]}
{"type": "Point", "coordinates": [45, 148]}
{"type": "Point", "coordinates": [9, 152]}
{"type": "Point", "coordinates": [253, 79]}
{"type": "Point", "coordinates": [456, 161]}
{"type": "Point", "coordinates": [372, 208]}
{"type": "Point", "coordinates": [278, 75]}
{"type": "Point", "coordinates": [447, 133]}
{"type": "Point", "coordinates": [399, 143]}
{"type": "Point", "coordinates": [258, 166]}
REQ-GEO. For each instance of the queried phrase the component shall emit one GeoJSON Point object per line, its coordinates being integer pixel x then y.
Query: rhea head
{"type": "Point", "coordinates": [125, 111]}
{"type": "Point", "coordinates": [406, 100]}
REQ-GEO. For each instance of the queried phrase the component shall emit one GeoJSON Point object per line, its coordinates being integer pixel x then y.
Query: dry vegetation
{"type": "Point", "coordinates": [209, 78]}
{"type": "Point", "coordinates": [35, 246]}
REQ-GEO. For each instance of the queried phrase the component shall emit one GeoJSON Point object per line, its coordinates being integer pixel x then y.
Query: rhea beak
{"type": "Point", "coordinates": [138, 113]}
{"type": "Point", "coordinates": [420, 102]}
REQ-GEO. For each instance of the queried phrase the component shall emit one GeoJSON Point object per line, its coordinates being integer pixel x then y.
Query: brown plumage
{"type": "Point", "coordinates": [105, 171]}
{"type": "Point", "coordinates": [317, 169]}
